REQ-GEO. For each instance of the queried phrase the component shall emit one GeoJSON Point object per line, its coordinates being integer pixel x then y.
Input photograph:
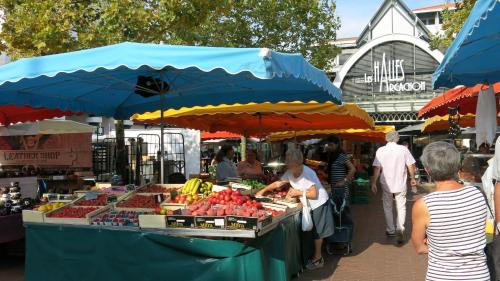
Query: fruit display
{"type": "Point", "coordinates": [49, 207]}
{"type": "Point", "coordinates": [186, 199]}
{"type": "Point", "coordinates": [72, 212]}
{"type": "Point", "coordinates": [141, 201]}
{"type": "Point", "coordinates": [119, 218]}
{"type": "Point", "coordinates": [279, 193]}
{"type": "Point", "coordinates": [196, 186]}
{"type": "Point", "coordinates": [226, 203]}
{"type": "Point", "coordinates": [101, 200]}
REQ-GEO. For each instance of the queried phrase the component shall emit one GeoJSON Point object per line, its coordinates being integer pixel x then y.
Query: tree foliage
{"type": "Point", "coordinates": [40, 27]}
{"type": "Point", "coordinates": [453, 20]}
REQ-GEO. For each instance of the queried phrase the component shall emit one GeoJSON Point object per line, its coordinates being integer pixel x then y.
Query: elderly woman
{"type": "Point", "coordinates": [250, 168]}
{"type": "Point", "coordinates": [449, 223]}
{"type": "Point", "coordinates": [304, 180]}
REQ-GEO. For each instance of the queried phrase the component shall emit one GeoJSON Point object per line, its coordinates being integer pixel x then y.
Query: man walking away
{"type": "Point", "coordinates": [390, 164]}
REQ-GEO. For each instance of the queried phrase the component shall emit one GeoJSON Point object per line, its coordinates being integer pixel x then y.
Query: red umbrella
{"type": "Point", "coordinates": [219, 135]}
{"type": "Point", "coordinates": [11, 114]}
{"type": "Point", "coordinates": [462, 96]}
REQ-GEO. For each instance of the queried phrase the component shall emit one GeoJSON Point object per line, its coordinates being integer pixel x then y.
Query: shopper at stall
{"type": "Point", "coordinates": [340, 168]}
{"type": "Point", "coordinates": [304, 180]}
{"type": "Point", "coordinates": [449, 223]}
{"type": "Point", "coordinates": [225, 165]}
{"type": "Point", "coordinates": [250, 168]}
{"type": "Point", "coordinates": [391, 164]}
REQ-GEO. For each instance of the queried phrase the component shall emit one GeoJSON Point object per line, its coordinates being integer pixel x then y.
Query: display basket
{"type": "Point", "coordinates": [86, 220]}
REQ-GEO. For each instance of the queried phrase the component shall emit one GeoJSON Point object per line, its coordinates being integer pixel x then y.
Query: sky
{"type": "Point", "coordinates": [355, 14]}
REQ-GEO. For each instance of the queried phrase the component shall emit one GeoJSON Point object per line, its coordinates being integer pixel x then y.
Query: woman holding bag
{"type": "Point", "coordinates": [306, 185]}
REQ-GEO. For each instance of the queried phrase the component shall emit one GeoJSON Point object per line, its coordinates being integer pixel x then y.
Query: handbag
{"type": "Point", "coordinates": [307, 222]}
{"type": "Point", "coordinates": [493, 249]}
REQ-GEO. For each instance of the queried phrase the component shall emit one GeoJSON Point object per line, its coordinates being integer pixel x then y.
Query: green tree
{"type": "Point", "coordinates": [39, 27]}
{"type": "Point", "coordinates": [453, 20]}
{"type": "Point", "coordinates": [306, 27]}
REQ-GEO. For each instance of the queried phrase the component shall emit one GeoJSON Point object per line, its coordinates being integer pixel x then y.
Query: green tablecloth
{"type": "Point", "coordinates": [56, 252]}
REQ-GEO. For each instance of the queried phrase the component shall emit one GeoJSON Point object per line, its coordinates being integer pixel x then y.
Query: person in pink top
{"type": "Point", "coordinates": [250, 168]}
{"type": "Point", "coordinates": [391, 164]}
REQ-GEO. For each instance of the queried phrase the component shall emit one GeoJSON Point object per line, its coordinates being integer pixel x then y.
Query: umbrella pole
{"type": "Point", "coordinates": [162, 148]}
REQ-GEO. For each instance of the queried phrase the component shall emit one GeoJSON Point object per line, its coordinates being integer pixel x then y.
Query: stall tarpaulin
{"type": "Point", "coordinates": [377, 134]}
{"type": "Point", "coordinates": [255, 119]}
{"type": "Point", "coordinates": [11, 114]}
{"type": "Point", "coordinates": [463, 97]}
{"type": "Point", "coordinates": [86, 253]}
{"type": "Point", "coordinates": [442, 123]}
{"type": "Point", "coordinates": [473, 55]}
{"type": "Point", "coordinates": [122, 79]}
{"type": "Point", "coordinates": [204, 136]}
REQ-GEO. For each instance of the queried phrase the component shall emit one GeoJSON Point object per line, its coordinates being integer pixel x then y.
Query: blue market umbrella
{"type": "Point", "coordinates": [123, 79]}
{"type": "Point", "coordinates": [474, 55]}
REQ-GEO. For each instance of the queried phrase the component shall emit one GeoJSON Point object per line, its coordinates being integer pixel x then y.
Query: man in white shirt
{"type": "Point", "coordinates": [390, 164]}
{"type": "Point", "coordinates": [496, 177]}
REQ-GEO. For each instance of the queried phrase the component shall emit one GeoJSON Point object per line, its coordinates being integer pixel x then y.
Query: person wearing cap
{"type": "Point", "coordinates": [390, 165]}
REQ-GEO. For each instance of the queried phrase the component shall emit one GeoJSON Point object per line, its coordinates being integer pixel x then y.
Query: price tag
{"type": "Point", "coordinates": [90, 195]}
{"type": "Point", "coordinates": [219, 222]}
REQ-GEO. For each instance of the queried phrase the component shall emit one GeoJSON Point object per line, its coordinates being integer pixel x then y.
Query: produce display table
{"type": "Point", "coordinates": [12, 228]}
{"type": "Point", "coordinates": [63, 252]}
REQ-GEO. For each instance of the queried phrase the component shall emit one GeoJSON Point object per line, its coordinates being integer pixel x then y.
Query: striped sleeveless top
{"type": "Point", "coordinates": [456, 235]}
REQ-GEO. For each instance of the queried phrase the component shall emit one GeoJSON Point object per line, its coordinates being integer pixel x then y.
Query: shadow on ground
{"type": "Point", "coordinates": [374, 253]}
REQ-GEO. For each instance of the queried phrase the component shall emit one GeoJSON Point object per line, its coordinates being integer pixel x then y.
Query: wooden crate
{"type": "Point", "coordinates": [130, 195]}
{"type": "Point", "coordinates": [77, 221]}
{"type": "Point", "coordinates": [248, 223]}
{"type": "Point", "coordinates": [173, 206]}
{"type": "Point", "coordinates": [210, 222]}
{"type": "Point", "coordinates": [32, 216]}
{"type": "Point", "coordinates": [152, 221]}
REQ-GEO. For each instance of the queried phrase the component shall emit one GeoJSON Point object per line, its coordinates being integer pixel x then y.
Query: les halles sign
{"type": "Point", "coordinates": [390, 76]}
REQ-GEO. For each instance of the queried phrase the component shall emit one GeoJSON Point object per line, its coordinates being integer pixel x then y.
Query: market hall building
{"type": "Point", "coordinates": [387, 69]}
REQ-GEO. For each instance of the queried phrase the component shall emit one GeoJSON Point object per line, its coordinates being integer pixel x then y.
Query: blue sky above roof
{"type": "Point", "coordinates": [355, 14]}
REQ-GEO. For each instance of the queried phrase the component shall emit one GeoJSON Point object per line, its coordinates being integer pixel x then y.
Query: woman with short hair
{"type": "Point", "coordinates": [304, 180]}
{"type": "Point", "coordinates": [226, 168]}
{"type": "Point", "coordinates": [449, 223]}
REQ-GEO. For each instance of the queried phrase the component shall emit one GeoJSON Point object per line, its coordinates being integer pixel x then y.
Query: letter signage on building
{"type": "Point", "coordinates": [70, 150]}
{"type": "Point", "coordinates": [389, 76]}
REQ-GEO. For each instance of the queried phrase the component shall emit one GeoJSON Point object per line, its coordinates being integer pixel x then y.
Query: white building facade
{"type": "Point", "coordinates": [387, 70]}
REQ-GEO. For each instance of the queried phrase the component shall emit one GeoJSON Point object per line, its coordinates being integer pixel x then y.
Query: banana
{"type": "Point", "coordinates": [196, 185]}
{"type": "Point", "coordinates": [187, 186]}
{"type": "Point", "coordinates": [209, 186]}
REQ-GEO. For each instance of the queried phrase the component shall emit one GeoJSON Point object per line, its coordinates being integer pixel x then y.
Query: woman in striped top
{"type": "Point", "coordinates": [449, 223]}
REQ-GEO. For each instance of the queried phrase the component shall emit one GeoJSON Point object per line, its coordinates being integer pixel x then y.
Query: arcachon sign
{"type": "Point", "coordinates": [46, 150]}
{"type": "Point", "coordinates": [390, 75]}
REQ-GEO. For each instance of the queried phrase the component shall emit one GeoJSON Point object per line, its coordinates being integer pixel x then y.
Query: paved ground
{"type": "Point", "coordinates": [375, 257]}
{"type": "Point", "coordinates": [12, 261]}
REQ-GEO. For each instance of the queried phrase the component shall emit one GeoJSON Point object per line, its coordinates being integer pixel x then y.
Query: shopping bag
{"type": "Point", "coordinates": [307, 222]}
